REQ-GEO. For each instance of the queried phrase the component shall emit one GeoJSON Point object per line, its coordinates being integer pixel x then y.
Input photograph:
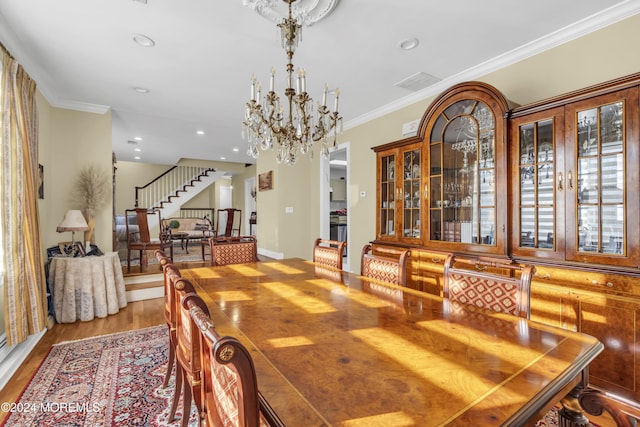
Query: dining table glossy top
{"type": "Point", "coordinates": [333, 348]}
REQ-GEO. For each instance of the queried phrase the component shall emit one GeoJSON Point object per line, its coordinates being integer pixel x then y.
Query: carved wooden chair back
{"type": "Point", "coordinates": [243, 250]}
{"type": "Point", "coordinates": [490, 284]}
{"type": "Point", "coordinates": [229, 386]}
{"type": "Point", "coordinates": [232, 220]}
{"type": "Point", "coordinates": [140, 239]}
{"type": "Point", "coordinates": [328, 253]}
{"type": "Point", "coordinates": [188, 353]}
{"type": "Point", "coordinates": [386, 269]}
{"type": "Point", "coordinates": [170, 274]}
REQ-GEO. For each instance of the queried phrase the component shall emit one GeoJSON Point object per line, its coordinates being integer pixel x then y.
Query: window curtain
{"type": "Point", "coordinates": [23, 275]}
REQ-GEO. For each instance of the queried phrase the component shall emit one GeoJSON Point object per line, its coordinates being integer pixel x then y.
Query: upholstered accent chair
{"type": "Point", "coordinates": [383, 268]}
{"type": "Point", "coordinates": [188, 353]}
{"type": "Point", "coordinates": [139, 237]}
{"type": "Point", "coordinates": [328, 253]}
{"type": "Point", "coordinates": [240, 251]}
{"type": "Point", "coordinates": [491, 284]}
{"type": "Point", "coordinates": [229, 389]}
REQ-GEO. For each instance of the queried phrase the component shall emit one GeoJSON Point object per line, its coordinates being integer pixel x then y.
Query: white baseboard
{"type": "Point", "coordinates": [16, 355]}
{"type": "Point", "coordinates": [270, 254]}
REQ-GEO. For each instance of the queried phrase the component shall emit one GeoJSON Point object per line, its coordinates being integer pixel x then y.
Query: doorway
{"type": "Point", "coordinates": [335, 198]}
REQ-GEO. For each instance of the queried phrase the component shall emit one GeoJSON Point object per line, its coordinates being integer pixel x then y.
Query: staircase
{"type": "Point", "coordinates": [169, 191]}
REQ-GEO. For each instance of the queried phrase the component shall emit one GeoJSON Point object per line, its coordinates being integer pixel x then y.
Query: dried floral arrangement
{"type": "Point", "coordinates": [91, 188]}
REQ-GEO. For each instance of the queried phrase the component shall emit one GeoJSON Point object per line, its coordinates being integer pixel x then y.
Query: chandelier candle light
{"type": "Point", "coordinates": [265, 123]}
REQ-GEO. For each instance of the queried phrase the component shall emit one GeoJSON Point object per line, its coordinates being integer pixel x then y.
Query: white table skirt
{"type": "Point", "coordinates": [86, 287]}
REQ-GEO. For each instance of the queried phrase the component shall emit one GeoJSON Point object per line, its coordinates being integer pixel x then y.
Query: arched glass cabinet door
{"type": "Point", "coordinates": [466, 166]}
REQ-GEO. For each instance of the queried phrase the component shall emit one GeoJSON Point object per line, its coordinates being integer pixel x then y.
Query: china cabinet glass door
{"type": "Point", "coordinates": [537, 184]}
{"type": "Point", "coordinates": [462, 174]}
{"type": "Point", "coordinates": [386, 198]}
{"type": "Point", "coordinates": [602, 180]}
{"type": "Point", "coordinates": [411, 190]}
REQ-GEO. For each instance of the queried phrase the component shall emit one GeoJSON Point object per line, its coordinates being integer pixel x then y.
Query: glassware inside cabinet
{"type": "Point", "coordinates": [601, 180]}
{"type": "Point", "coordinates": [411, 194]}
{"type": "Point", "coordinates": [462, 174]}
{"type": "Point", "coordinates": [537, 199]}
{"type": "Point", "coordinates": [387, 196]}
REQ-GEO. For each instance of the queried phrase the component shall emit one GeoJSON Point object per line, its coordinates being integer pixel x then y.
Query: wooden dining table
{"type": "Point", "coordinates": [332, 348]}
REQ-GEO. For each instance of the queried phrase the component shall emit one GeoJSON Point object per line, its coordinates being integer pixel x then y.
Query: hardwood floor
{"type": "Point", "coordinates": [135, 315]}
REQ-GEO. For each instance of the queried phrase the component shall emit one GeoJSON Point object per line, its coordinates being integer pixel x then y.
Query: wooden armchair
{"type": "Point", "coordinates": [139, 239]}
{"type": "Point", "coordinates": [386, 269]}
{"type": "Point", "coordinates": [232, 220]}
{"type": "Point", "coordinates": [240, 251]}
{"type": "Point", "coordinates": [188, 353]}
{"type": "Point", "coordinates": [505, 288]}
{"type": "Point", "coordinates": [625, 413]}
{"type": "Point", "coordinates": [171, 274]}
{"type": "Point", "coordinates": [328, 253]}
{"type": "Point", "coordinates": [229, 390]}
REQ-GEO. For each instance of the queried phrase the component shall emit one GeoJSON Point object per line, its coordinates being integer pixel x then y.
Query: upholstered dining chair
{"type": "Point", "coordinates": [239, 251]}
{"type": "Point", "coordinates": [189, 365]}
{"type": "Point", "coordinates": [328, 253]}
{"type": "Point", "coordinates": [170, 274]}
{"type": "Point", "coordinates": [229, 389]}
{"type": "Point", "coordinates": [384, 268]}
{"type": "Point", "coordinates": [498, 286]}
{"type": "Point", "coordinates": [139, 239]}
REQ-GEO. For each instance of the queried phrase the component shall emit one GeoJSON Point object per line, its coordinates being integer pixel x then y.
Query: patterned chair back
{"type": "Point", "coordinates": [497, 286]}
{"type": "Point", "coordinates": [386, 269]}
{"type": "Point", "coordinates": [328, 253]}
{"type": "Point", "coordinates": [229, 386]}
{"type": "Point", "coordinates": [240, 251]}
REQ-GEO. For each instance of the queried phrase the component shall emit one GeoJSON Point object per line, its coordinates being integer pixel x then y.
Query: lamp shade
{"type": "Point", "coordinates": [73, 221]}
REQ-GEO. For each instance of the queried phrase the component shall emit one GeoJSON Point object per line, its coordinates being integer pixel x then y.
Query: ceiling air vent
{"type": "Point", "coordinates": [417, 81]}
{"type": "Point", "coordinates": [131, 141]}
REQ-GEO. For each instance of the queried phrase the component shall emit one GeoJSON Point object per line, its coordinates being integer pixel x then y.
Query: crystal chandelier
{"type": "Point", "coordinates": [268, 125]}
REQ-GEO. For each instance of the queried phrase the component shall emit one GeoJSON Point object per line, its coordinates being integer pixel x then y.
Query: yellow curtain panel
{"type": "Point", "coordinates": [23, 267]}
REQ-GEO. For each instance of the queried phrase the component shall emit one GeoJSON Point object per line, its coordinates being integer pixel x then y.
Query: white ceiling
{"type": "Point", "coordinates": [82, 55]}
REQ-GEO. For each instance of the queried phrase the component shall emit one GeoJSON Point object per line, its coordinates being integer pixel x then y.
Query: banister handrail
{"type": "Point", "coordinates": [168, 184]}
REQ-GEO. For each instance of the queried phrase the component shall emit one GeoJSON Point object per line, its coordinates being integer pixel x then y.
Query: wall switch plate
{"type": "Point", "coordinates": [288, 209]}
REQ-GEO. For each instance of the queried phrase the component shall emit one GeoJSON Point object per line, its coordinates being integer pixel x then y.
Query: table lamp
{"type": "Point", "coordinates": [73, 221]}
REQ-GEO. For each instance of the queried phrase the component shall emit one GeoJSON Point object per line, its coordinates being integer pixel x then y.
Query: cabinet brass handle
{"type": "Point", "coordinates": [480, 267]}
{"type": "Point", "coordinates": [559, 181]}
{"type": "Point", "coordinates": [607, 284]}
{"type": "Point", "coordinates": [436, 261]}
{"type": "Point", "coordinates": [570, 178]}
{"type": "Point", "coordinates": [544, 277]}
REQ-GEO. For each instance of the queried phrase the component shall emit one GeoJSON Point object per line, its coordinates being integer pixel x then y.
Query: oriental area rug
{"type": "Point", "coordinates": [110, 381]}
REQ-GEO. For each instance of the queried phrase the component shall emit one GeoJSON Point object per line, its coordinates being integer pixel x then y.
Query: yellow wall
{"type": "Point", "coordinates": [68, 141]}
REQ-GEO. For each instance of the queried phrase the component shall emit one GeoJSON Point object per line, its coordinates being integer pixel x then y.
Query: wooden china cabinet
{"type": "Point", "coordinates": [555, 184]}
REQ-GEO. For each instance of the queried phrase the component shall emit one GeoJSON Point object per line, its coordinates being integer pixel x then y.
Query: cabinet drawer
{"type": "Point", "coordinates": [608, 283]}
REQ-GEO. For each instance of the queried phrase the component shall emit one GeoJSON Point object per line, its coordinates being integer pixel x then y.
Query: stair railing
{"type": "Point", "coordinates": [169, 184]}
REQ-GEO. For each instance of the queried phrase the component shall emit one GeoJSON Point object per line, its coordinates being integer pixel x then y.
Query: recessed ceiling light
{"type": "Point", "coordinates": [235, 150]}
{"type": "Point", "coordinates": [143, 40]}
{"type": "Point", "coordinates": [141, 89]}
{"type": "Point", "coordinates": [223, 158]}
{"type": "Point", "coordinates": [408, 44]}
{"type": "Point", "coordinates": [137, 158]}
{"type": "Point", "coordinates": [200, 132]}
{"type": "Point", "coordinates": [137, 149]}
{"type": "Point", "coordinates": [138, 138]}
